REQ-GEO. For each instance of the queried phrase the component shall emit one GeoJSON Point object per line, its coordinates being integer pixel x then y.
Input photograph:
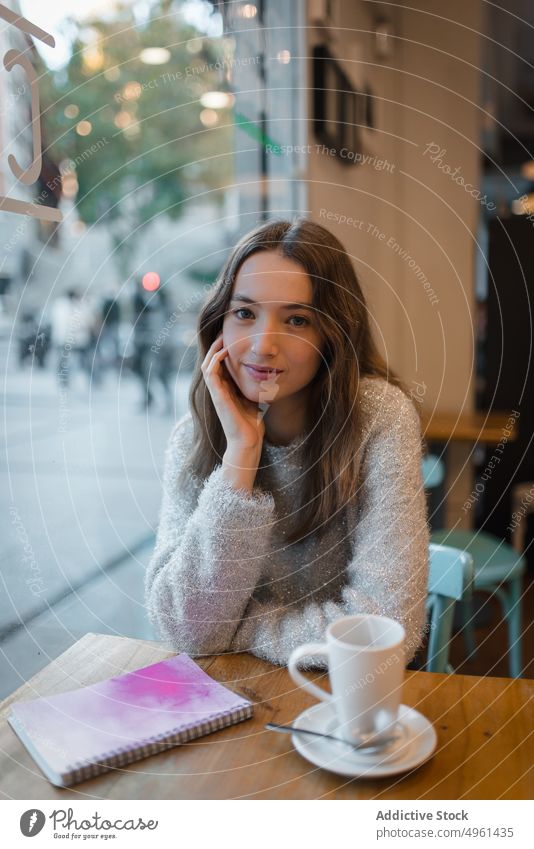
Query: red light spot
{"type": "Point", "coordinates": [151, 281]}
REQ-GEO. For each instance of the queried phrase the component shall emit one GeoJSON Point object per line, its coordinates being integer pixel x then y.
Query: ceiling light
{"type": "Point", "coordinates": [217, 99]}
{"type": "Point", "coordinates": [155, 55]}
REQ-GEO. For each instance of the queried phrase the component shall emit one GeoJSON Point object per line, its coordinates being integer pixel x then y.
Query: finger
{"type": "Point", "coordinates": [218, 382]}
{"type": "Point", "coordinates": [218, 356]}
{"type": "Point", "coordinates": [207, 359]}
{"type": "Point", "coordinates": [209, 353]}
{"type": "Point", "coordinates": [221, 395]}
{"type": "Point", "coordinates": [219, 377]}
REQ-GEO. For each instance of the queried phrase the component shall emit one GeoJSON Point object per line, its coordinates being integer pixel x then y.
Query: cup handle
{"type": "Point", "coordinates": [298, 678]}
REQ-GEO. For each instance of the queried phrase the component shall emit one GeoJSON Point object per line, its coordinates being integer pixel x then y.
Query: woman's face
{"type": "Point", "coordinates": [262, 329]}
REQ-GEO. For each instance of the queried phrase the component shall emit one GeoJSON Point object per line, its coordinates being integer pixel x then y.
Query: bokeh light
{"type": "Point", "coordinates": [151, 281]}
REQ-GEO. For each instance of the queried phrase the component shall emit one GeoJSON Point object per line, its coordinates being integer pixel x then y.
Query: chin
{"type": "Point", "coordinates": [246, 392]}
{"type": "Point", "coordinates": [251, 393]}
{"type": "Point", "coordinates": [264, 396]}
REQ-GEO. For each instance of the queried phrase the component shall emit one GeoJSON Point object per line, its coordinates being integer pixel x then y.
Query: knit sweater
{"type": "Point", "coordinates": [222, 579]}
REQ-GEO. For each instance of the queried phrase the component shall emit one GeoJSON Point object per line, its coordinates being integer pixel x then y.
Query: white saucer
{"type": "Point", "coordinates": [416, 745]}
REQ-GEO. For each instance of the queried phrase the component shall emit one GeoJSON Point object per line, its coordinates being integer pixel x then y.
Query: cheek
{"type": "Point", "coordinates": [232, 340]}
{"type": "Point", "coordinates": [306, 354]}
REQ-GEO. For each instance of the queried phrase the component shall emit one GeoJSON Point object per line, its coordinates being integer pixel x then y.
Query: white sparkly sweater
{"type": "Point", "coordinates": [222, 579]}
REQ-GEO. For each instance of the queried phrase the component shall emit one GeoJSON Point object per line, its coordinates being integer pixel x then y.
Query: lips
{"type": "Point", "coordinates": [262, 372]}
{"type": "Point", "coordinates": [261, 368]}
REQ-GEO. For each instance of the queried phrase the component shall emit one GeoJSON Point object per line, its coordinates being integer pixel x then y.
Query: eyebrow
{"type": "Point", "coordinates": [245, 300]}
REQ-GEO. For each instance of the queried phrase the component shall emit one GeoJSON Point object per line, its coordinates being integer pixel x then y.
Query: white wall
{"type": "Point", "coordinates": [414, 249]}
{"type": "Point", "coordinates": [426, 92]}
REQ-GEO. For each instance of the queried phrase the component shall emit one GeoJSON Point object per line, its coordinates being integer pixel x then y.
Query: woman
{"type": "Point", "coordinates": [292, 490]}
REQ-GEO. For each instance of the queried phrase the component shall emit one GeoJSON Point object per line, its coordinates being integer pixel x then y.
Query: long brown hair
{"type": "Point", "coordinates": [349, 353]}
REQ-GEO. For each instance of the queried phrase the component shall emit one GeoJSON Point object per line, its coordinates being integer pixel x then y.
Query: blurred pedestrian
{"type": "Point", "coordinates": [108, 340]}
{"type": "Point", "coordinates": [33, 340]}
{"type": "Point", "coordinates": [152, 360]}
{"type": "Point", "coordinates": [72, 325]}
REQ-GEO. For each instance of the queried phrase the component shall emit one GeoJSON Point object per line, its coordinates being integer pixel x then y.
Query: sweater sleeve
{"type": "Point", "coordinates": [208, 555]}
{"type": "Point", "coordinates": [388, 570]}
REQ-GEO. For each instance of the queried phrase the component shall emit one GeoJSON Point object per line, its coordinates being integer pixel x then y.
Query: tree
{"type": "Point", "coordinates": [133, 130]}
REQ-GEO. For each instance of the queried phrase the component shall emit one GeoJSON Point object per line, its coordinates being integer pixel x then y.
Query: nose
{"type": "Point", "coordinates": [264, 343]}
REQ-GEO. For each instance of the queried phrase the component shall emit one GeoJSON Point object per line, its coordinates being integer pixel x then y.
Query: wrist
{"type": "Point", "coordinates": [238, 447]}
{"type": "Point", "coordinates": [240, 466]}
{"type": "Point", "coordinates": [242, 459]}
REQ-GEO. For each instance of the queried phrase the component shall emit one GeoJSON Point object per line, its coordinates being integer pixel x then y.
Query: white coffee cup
{"type": "Point", "coordinates": [366, 660]}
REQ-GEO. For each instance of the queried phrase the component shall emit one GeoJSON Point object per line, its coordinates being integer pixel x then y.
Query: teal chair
{"type": "Point", "coordinates": [434, 480]}
{"type": "Point", "coordinates": [499, 570]}
{"type": "Point", "coordinates": [450, 579]}
{"type": "Point", "coordinates": [433, 471]}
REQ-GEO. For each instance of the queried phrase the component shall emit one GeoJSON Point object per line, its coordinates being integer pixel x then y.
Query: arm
{"type": "Point", "coordinates": [198, 584]}
{"type": "Point", "coordinates": [388, 570]}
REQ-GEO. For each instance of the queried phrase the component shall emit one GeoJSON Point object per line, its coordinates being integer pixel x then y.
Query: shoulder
{"type": "Point", "coordinates": [385, 407]}
{"type": "Point", "coordinates": [180, 438]}
{"type": "Point", "coordinates": [391, 437]}
{"type": "Point", "coordinates": [183, 426]}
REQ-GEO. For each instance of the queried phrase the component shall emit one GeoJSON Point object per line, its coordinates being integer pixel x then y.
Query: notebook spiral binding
{"type": "Point", "coordinates": [81, 770]}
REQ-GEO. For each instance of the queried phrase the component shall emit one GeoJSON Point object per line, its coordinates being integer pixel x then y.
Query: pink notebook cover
{"type": "Point", "coordinates": [80, 733]}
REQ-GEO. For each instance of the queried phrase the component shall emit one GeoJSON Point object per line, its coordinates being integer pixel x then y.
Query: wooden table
{"type": "Point", "coordinates": [477, 427]}
{"type": "Point", "coordinates": [452, 432]}
{"type": "Point", "coordinates": [483, 726]}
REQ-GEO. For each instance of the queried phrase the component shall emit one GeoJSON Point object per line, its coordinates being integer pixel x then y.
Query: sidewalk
{"type": "Point", "coordinates": [82, 491]}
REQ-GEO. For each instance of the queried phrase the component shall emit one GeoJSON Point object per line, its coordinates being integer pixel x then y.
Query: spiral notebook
{"type": "Point", "coordinates": [77, 735]}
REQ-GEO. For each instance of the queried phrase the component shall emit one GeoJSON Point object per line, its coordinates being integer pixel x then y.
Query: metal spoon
{"type": "Point", "coordinates": [290, 729]}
